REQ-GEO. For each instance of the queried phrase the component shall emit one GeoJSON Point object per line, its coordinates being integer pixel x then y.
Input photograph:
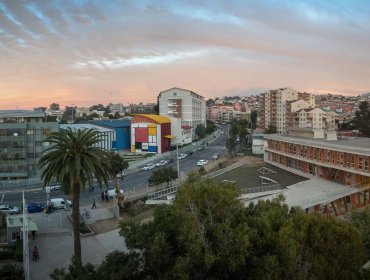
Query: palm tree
{"type": "Point", "coordinates": [73, 160]}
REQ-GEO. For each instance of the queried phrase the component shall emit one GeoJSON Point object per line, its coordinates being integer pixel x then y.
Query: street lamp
{"type": "Point", "coordinates": [178, 161]}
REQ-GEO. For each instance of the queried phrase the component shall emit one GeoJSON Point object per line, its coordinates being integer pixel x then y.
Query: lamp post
{"type": "Point", "coordinates": [178, 161]}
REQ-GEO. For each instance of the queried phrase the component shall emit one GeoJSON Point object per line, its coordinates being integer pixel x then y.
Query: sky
{"type": "Point", "coordinates": [90, 52]}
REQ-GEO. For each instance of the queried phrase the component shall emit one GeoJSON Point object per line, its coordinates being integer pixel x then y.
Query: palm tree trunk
{"type": "Point", "coordinates": [76, 222]}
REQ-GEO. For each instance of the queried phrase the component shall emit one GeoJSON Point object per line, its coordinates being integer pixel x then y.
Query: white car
{"type": "Point", "coordinates": [181, 156]}
{"type": "Point", "coordinates": [112, 193]}
{"type": "Point", "coordinates": [215, 156]}
{"type": "Point", "coordinates": [149, 166]}
{"type": "Point", "coordinates": [202, 162]}
{"type": "Point", "coordinates": [161, 163]}
{"type": "Point", "coordinates": [55, 187]}
{"type": "Point", "coordinates": [8, 209]}
{"type": "Point", "coordinates": [121, 175]}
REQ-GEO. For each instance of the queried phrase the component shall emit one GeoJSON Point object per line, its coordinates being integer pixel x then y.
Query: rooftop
{"type": "Point", "coordinates": [21, 113]}
{"type": "Point", "coordinates": [360, 145]}
{"type": "Point", "coordinates": [112, 123]}
{"type": "Point", "coordinates": [83, 126]}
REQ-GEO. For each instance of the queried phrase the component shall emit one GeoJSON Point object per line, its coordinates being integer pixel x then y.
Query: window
{"type": "Point", "coordinates": [16, 236]}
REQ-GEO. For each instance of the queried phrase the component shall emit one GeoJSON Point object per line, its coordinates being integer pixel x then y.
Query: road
{"type": "Point", "coordinates": [132, 182]}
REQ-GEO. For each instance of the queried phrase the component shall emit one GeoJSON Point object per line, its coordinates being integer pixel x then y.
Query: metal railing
{"type": "Point", "coordinates": [222, 171]}
{"type": "Point", "coordinates": [162, 193]}
{"type": "Point", "coordinates": [270, 187]}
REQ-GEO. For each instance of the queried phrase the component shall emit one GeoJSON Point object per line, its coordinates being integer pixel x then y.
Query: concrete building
{"type": "Point", "coordinates": [150, 134]}
{"type": "Point", "coordinates": [182, 133]}
{"type": "Point", "coordinates": [342, 166]}
{"type": "Point", "coordinates": [276, 104]}
{"type": "Point", "coordinates": [184, 104]}
{"type": "Point", "coordinates": [122, 132]}
{"type": "Point", "coordinates": [107, 136]}
{"type": "Point", "coordinates": [21, 143]}
{"type": "Point", "coordinates": [258, 144]}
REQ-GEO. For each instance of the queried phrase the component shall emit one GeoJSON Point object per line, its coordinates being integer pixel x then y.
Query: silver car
{"type": "Point", "coordinates": [8, 209]}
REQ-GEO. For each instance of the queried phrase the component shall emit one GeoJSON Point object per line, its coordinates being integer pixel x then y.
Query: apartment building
{"type": "Point", "coordinates": [21, 143]}
{"type": "Point", "coordinates": [277, 104]}
{"type": "Point", "coordinates": [187, 105]}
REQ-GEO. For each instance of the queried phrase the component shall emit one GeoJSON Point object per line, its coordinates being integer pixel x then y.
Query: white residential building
{"type": "Point", "coordinates": [184, 104]}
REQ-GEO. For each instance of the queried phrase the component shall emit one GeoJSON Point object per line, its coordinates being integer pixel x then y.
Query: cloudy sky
{"type": "Point", "coordinates": [89, 52]}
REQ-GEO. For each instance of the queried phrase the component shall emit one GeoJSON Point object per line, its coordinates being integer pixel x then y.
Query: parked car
{"type": "Point", "coordinates": [182, 156]}
{"type": "Point", "coordinates": [8, 209]}
{"type": "Point", "coordinates": [60, 203]}
{"type": "Point", "coordinates": [55, 187]}
{"type": "Point", "coordinates": [149, 166]}
{"type": "Point", "coordinates": [162, 162]}
{"type": "Point", "coordinates": [200, 148]}
{"type": "Point", "coordinates": [215, 156]}
{"type": "Point", "coordinates": [34, 207]}
{"type": "Point", "coordinates": [112, 193]}
{"type": "Point", "coordinates": [202, 162]}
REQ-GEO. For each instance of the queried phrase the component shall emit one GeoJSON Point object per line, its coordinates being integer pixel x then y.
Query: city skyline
{"type": "Point", "coordinates": [90, 52]}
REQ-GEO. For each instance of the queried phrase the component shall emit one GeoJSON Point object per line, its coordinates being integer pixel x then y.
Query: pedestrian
{"type": "Point", "coordinates": [102, 196]}
{"type": "Point", "coordinates": [35, 253]}
{"type": "Point", "coordinates": [106, 197]}
{"type": "Point", "coordinates": [94, 204]}
{"type": "Point", "coordinates": [33, 234]}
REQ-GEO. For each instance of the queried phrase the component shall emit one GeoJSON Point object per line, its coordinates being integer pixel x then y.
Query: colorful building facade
{"type": "Point", "coordinates": [150, 133]}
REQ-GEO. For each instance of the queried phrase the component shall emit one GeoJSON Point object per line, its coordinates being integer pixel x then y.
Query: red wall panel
{"type": "Point", "coordinates": [141, 134]}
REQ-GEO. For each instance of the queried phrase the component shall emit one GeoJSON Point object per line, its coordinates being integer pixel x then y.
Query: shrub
{"type": "Point", "coordinates": [19, 250]}
{"type": "Point", "coordinates": [84, 228]}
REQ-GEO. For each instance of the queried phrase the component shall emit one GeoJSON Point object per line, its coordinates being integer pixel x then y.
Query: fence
{"type": "Point", "coordinates": [271, 187]}
{"type": "Point", "coordinates": [162, 193]}
{"type": "Point", "coordinates": [20, 184]}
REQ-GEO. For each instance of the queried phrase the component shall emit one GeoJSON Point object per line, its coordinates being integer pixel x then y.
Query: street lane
{"type": "Point", "coordinates": [130, 183]}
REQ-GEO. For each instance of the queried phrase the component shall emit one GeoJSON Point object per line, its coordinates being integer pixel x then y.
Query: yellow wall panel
{"type": "Point", "coordinates": [152, 131]}
{"type": "Point", "coordinates": [133, 149]}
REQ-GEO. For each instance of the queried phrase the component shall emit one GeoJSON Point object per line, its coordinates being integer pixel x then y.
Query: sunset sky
{"type": "Point", "coordinates": [89, 52]}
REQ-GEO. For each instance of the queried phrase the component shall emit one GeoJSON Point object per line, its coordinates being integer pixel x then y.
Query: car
{"type": "Point", "coordinates": [34, 207]}
{"type": "Point", "coordinates": [149, 166]}
{"type": "Point", "coordinates": [200, 148]}
{"type": "Point", "coordinates": [222, 133]}
{"type": "Point", "coordinates": [112, 193]}
{"type": "Point", "coordinates": [182, 156]}
{"type": "Point", "coordinates": [121, 175]}
{"type": "Point", "coordinates": [8, 209]}
{"type": "Point", "coordinates": [215, 156]}
{"type": "Point", "coordinates": [202, 162]}
{"type": "Point", "coordinates": [190, 153]}
{"type": "Point", "coordinates": [60, 203]}
{"type": "Point", "coordinates": [162, 162]}
{"type": "Point", "coordinates": [55, 187]}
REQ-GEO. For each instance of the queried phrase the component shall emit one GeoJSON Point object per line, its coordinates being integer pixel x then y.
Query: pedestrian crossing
{"type": "Point", "coordinates": [217, 148]}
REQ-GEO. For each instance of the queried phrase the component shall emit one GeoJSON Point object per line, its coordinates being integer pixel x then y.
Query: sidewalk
{"type": "Point", "coordinates": [54, 240]}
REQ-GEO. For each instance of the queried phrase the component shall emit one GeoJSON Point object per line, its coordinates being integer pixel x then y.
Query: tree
{"type": "Point", "coordinates": [73, 160]}
{"type": "Point", "coordinates": [54, 106]}
{"type": "Point", "coordinates": [40, 109]}
{"type": "Point", "coordinates": [320, 247]}
{"type": "Point", "coordinates": [117, 165]}
{"type": "Point", "coordinates": [51, 118]}
{"type": "Point", "coordinates": [271, 129]}
{"type": "Point", "coordinates": [200, 131]}
{"type": "Point", "coordinates": [163, 175]}
{"type": "Point", "coordinates": [200, 236]}
{"type": "Point", "coordinates": [361, 220]}
{"type": "Point", "coordinates": [254, 116]}
{"type": "Point", "coordinates": [210, 127]}
{"type": "Point", "coordinates": [362, 118]}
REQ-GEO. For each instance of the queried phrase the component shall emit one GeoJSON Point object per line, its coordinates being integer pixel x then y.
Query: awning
{"type": "Point", "coordinates": [170, 136]}
{"type": "Point", "coordinates": [186, 127]}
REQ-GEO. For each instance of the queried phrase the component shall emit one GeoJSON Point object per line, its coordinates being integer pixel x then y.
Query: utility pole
{"type": "Point", "coordinates": [178, 161]}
